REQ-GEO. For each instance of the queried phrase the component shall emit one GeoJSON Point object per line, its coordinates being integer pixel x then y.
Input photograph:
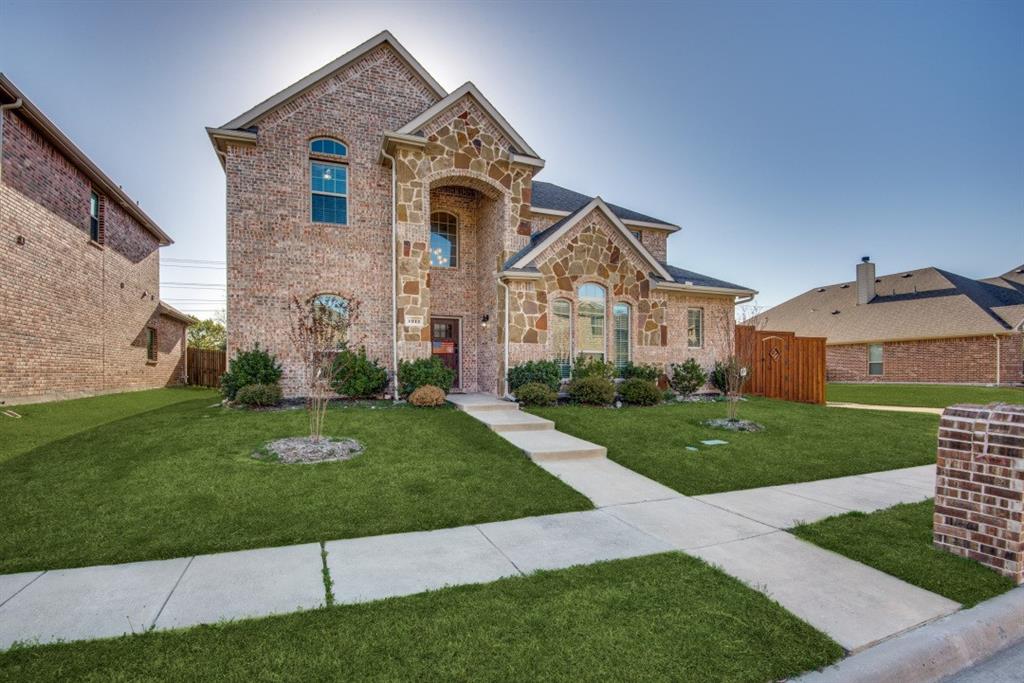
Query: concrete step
{"type": "Point", "coordinates": [553, 445]}
{"type": "Point", "coordinates": [481, 402]}
{"type": "Point", "coordinates": [511, 421]}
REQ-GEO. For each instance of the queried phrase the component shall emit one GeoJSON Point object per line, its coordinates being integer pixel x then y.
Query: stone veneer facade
{"type": "Point", "coordinates": [458, 162]}
{"type": "Point", "coordinates": [74, 311]}
{"type": "Point", "coordinates": [979, 490]}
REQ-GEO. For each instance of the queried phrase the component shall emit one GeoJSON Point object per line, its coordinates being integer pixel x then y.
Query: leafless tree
{"type": "Point", "coordinates": [738, 364]}
{"type": "Point", "coordinates": [319, 329]}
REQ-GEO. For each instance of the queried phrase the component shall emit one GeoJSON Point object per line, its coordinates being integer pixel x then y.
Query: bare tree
{"type": "Point", "coordinates": [738, 365]}
{"type": "Point", "coordinates": [319, 329]}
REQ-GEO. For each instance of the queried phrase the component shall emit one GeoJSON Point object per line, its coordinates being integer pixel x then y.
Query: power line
{"type": "Point", "coordinates": [193, 260]}
{"type": "Point", "coordinates": [181, 265]}
{"type": "Point", "coordinates": [188, 286]}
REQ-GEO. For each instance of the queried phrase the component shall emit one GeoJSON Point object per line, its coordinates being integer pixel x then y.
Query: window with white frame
{"type": "Point", "coordinates": [328, 181]}
{"type": "Point", "coordinates": [590, 320]}
{"type": "Point", "coordinates": [620, 341]}
{"type": "Point", "coordinates": [444, 240]}
{"type": "Point", "coordinates": [561, 335]}
{"type": "Point", "coordinates": [875, 366]}
{"type": "Point", "coordinates": [695, 328]}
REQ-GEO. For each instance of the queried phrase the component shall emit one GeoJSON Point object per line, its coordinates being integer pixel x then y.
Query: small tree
{"type": "Point", "coordinates": [208, 334]}
{"type": "Point", "coordinates": [688, 377]}
{"type": "Point", "coordinates": [319, 329]}
{"type": "Point", "coordinates": [736, 367]}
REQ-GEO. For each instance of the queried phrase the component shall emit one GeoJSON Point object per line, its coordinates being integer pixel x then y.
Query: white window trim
{"type": "Point", "coordinates": [348, 186]}
{"type": "Point", "coordinates": [572, 348]}
{"type": "Point", "coordinates": [700, 345]}
{"type": "Point", "coordinates": [629, 330]}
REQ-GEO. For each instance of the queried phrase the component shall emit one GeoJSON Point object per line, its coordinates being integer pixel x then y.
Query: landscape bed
{"type": "Point", "coordinates": [660, 617]}
{"type": "Point", "coordinates": [170, 473]}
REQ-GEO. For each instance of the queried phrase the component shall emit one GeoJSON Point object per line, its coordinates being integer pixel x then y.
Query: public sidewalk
{"type": "Point", "coordinates": [739, 531]}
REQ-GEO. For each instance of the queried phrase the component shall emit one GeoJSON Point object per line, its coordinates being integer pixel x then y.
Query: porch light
{"type": "Point", "coordinates": [484, 319]}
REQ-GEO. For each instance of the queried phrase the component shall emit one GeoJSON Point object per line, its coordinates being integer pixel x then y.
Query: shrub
{"type": "Point", "coordinates": [720, 376]}
{"type": "Point", "coordinates": [592, 366]}
{"type": "Point", "coordinates": [640, 392]}
{"type": "Point", "coordinates": [356, 376]}
{"type": "Point", "coordinates": [594, 390]}
{"type": "Point", "coordinates": [544, 372]}
{"type": "Point", "coordinates": [413, 374]}
{"type": "Point", "coordinates": [250, 367]}
{"type": "Point", "coordinates": [536, 394]}
{"type": "Point", "coordinates": [427, 396]}
{"type": "Point", "coordinates": [651, 373]}
{"type": "Point", "coordinates": [688, 377]}
{"type": "Point", "coordinates": [260, 395]}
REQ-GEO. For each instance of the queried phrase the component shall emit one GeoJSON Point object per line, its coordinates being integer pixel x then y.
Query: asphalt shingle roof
{"type": "Point", "coordinates": [558, 198]}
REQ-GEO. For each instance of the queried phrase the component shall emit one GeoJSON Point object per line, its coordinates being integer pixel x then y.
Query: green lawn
{"type": "Point", "coordinates": [800, 443]}
{"type": "Point", "coordinates": [922, 395]}
{"type": "Point", "coordinates": [665, 617]}
{"type": "Point", "coordinates": [898, 541]}
{"type": "Point", "coordinates": [168, 473]}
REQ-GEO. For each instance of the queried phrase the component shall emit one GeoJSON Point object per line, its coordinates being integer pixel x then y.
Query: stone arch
{"type": "Point", "coordinates": [480, 182]}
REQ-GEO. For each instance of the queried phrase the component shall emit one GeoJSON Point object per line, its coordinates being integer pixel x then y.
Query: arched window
{"type": "Point", "coordinates": [561, 335]}
{"type": "Point", "coordinates": [590, 319]}
{"type": "Point", "coordinates": [620, 344]}
{"type": "Point", "coordinates": [444, 240]}
{"type": "Point", "coordinates": [328, 182]}
{"type": "Point", "coordinates": [333, 312]}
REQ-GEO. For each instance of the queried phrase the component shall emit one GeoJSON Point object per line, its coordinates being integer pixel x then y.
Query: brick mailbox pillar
{"type": "Point", "coordinates": [979, 490]}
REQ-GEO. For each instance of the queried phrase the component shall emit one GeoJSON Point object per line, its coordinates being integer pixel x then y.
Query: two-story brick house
{"type": "Point", "coordinates": [80, 309]}
{"type": "Point", "coordinates": [367, 181]}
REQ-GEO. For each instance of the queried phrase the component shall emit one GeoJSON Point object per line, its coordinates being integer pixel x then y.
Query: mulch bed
{"type": "Point", "coordinates": [302, 450]}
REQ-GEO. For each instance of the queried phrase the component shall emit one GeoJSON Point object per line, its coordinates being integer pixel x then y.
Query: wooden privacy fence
{"type": "Point", "coordinates": [783, 365]}
{"type": "Point", "coordinates": [206, 367]}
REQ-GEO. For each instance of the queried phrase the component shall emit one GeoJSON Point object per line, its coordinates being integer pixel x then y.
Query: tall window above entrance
{"type": "Point", "coordinates": [444, 240]}
{"type": "Point", "coordinates": [590, 319]}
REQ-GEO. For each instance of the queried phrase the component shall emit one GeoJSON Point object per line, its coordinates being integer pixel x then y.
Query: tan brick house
{"type": "Point", "coordinates": [367, 181]}
{"type": "Point", "coordinates": [80, 309]}
{"type": "Point", "coordinates": [927, 325]}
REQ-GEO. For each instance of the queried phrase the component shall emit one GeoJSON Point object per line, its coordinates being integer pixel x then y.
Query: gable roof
{"type": "Point", "coordinates": [928, 303]}
{"type": "Point", "coordinates": [247, 119]}
{"type": "Point", "coordinates": [684, 277]}
{"type": "Point", "coordinates": [557, 198]}
{"type": "Point", "coordinates": [9, 93]}
{"type": "Point", "coordinates": [553, 232]}
{"type": "Point", "coordinates": [468, 89]}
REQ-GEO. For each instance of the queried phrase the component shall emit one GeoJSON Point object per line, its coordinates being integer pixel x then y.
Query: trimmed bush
{"type": "Point", "coordinates": [651, 373]}
{"type": "Point", "coordinates": [536, 394]}
{"type": "Point", "coordinates": [427, 396]}
{"type": "Point", "coordinates": [413, 374]}
{"type": "Point", "coordinates": [594, 390]}
{"type": "Point", "coordinates": [259, 395]}
{"type": "Point", "coordinates": [256, 366]}
{"type": "Point", "coordinates": [544, 372]}
{"type": "Point", "coordinates": [355, 375]}
{"type": "Point", "coordinates": [592, 366]}
{"type": "Point", "coordinates": [640, 392]}
{"type": "Point", "coordinates": [688, 377]}
{"type": "Point", "coordinates": [719, 376]}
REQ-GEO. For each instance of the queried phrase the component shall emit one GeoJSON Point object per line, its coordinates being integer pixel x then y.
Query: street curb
{"type": "Point", "coordinates": [936, 650]}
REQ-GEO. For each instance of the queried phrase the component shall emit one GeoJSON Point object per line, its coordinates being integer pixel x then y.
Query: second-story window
{"type": "Point", "coordinates": [95, 233]}
{"type": "Point", "coordinates": [328, 182]}
{"type": "Point", "coordinates": [444, 240]}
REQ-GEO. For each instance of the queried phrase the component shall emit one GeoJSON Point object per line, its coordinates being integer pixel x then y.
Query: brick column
{"type": "Point", "coordinates": [979, 490]}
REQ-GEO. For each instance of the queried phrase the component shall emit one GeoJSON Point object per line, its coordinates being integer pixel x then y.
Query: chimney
{"type": "Point", "coordinates": [865, 281]}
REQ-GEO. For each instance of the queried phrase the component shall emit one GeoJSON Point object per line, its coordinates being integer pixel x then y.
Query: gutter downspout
{"type": "Point", "coordinates": [4, 107]}
{"type": "Point", "coordinates": [504, 326]}
{"type": "Point", "coordinates": [394, 275]}
{"type": "Point", "coordinates": [998, 359]}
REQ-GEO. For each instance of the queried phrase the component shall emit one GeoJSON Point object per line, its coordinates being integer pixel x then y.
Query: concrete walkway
{"type": "Point", "coordinates": [738, 531]}
{"type": "Point", "coordinates": [895, 409]}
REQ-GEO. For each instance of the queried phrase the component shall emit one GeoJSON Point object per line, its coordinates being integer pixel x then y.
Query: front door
{"type": "Point", "coordinates": [444, 343]}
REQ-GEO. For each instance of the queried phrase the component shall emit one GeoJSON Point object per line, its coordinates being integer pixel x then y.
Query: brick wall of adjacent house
{"type": "Point", "coordinates": [979, 487]}
{"type": "Point", "coordinates": [275, 251]}
{"type": "Point", "coordinates": [74, 312]}
{"type": "Point", "coordinates": [969, 360]}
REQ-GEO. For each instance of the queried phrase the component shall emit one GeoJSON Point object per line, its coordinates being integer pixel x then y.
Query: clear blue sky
{"type": "Point", "coordinates": [788, 139]}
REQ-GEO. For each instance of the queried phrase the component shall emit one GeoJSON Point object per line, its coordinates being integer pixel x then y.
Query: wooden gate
{"type": "Point", "coordinates": [783, 365]}
{"type": "Point", "coordinates": [205, 367]}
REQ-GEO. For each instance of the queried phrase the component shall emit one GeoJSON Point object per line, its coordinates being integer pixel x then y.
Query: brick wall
{"type": "Point", "coordinates": [74, 311]}
{"type": "Point", "coordinates": [959, 360]}
{"type": "Point", "coordinates": [979, 494]}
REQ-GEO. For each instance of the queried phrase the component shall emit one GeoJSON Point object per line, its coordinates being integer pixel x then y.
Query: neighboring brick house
{"type": "Point", "coordinates": [367, 174]}
{"type": "Point", "coordinates": [80, 311]}
{"type": "Point", "coordinates": [926, 325]}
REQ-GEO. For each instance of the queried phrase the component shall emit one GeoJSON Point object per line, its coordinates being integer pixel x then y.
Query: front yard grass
{"type": "Point", "coordinates": [921, 395]}
{"type": "Point", "coordinates": [167, 473]}
{"type": "Point", "coordinates": [898, 541]}
{"type": "Point", "coordinates": [664, 617]}
{"type": "Point", "coordinates": [800, 443]}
